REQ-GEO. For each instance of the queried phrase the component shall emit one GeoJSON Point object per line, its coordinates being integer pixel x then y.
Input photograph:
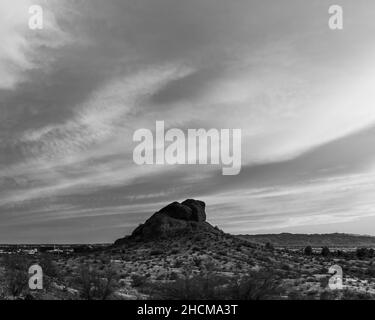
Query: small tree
{"type": "Point", "coordinates": [48, 265]}
{"type": "Point", "coordinates": [363, 253]}
{"type": "Point", "coordinates": [16, 274]}
{"type": "Point", "coordinates": [325, 252]}
{"type": "Point", "coordinates": [96, 285]}
{"type": "Point", "coordinates": [308, 251]}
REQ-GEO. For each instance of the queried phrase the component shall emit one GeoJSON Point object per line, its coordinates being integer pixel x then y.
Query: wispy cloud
{"type": "Point", "coordinates": [72, 95]}
{"type": "Point", "coordinates": [22, 49]}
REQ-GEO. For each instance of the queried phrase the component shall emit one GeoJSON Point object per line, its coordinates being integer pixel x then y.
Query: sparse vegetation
{"type": "Point", "coordinates": [95, 284]}
{"type": "Point", "coordinates": [308, 251]}
{"type": "Point", "coordinates": [201, 265]}
{"type": "Point", "coordinates": [16, 274]}
{"type": "Point", "coordinates": [325, 252]}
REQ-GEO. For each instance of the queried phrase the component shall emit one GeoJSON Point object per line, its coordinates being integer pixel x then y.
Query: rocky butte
{"type": "Point", "coordinates": [176, 219]}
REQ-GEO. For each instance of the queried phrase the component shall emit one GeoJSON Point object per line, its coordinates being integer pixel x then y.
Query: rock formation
{"type": "Point", "coordinates": [173, 220]}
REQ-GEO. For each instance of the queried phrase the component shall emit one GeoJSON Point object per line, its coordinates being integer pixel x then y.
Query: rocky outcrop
{"type": "Point", "coordinates": [189, 210]}
{"type": "Point", "coordinates": [173, 220]}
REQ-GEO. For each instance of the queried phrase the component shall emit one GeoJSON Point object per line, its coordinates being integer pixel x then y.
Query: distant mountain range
{"type": "Point", "coordinates": [314, 240]}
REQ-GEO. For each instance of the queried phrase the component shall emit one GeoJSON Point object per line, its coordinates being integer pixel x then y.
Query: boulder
{"type": "Point", "coordinates": [198, 209]}
{"type": "Point", "coordinates": [178, 211]}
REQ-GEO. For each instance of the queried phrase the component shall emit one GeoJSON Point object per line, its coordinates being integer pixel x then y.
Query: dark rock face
{"type": "Point", "coordinates": [173, 220]}
{"type": "Point", "coordinates": [189, 210]}
{"type": "Point", "coordinates": [198, 209]}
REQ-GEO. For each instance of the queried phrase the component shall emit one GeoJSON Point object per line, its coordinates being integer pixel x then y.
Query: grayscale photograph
{"type": "Point", "coordinates": [196, 150]}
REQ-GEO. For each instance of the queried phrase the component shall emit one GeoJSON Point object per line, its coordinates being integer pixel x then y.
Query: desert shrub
{"type": "Point", "coordinates": [209, 267]}
{"type": "Point", "coordinates": [312, 294]}
{"type": "Point", "coordinates": [211, 286]}
{"type": "Point", "coordinates": [195, 248]}
{"type": "Point", "coordinates": [222, 253]}
{"type": "Point", "coordinates": [296, 295]}
{"type": "Point", "coordinates": [363, 253]}
{"type": "Point", "coordinates": [308, 251]}
{"type": "Point", "coordinates": [197, 261]}
{"type": "Point", "coordinates": [339, 253]}
{"type": "Point", "coordinates": [324, 282]}
{"type": "Point", "coordinates": [48, 265]}
{"type": "Point", "coordinates": [323, 270]}
{"type": "Point", "coordinates": [161, 277]}
{"type": "Point", "coordinates": [285, 267]}
{"type": "Point", "coordinates": [156, 252]}
{"type": "Point", "coordinates": [257, 285]}
{"type": "Point", "coordinates": [198, 238]}
{"type": "Point", "coordinates": [325, 252]}
{"type": "Point", "coordinates": [178, 264]}
{"type": "Point", "coordinates": [310, 279]}
{"type": "Point", "coordinates": [328, 295]}
{"type": "Point", "coordinates": [173, 276]}
{"type": "Point", "coordinates": [197, 287]}
{"type": "Point", "coordinates": [371, 272]}
{"type": "Point", "coordinates": [16, 274]}
{"type": "Point", "coordinates": [138, 280]}
{"type": "Point", "coordinates": [269, 246]}
{"type": "Point", "coordinates": [355, 295]}
{"type": "Point", "coordinates": [94, 284]}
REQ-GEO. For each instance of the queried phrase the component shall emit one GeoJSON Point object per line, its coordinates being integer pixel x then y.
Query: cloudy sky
{"type": "Point", "coordinates": [72, 95]}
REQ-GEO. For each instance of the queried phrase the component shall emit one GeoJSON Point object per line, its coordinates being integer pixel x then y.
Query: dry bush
{"type": "Point", "coordinates": [138, 280]}
{"type": "Point", "coordinates": [257, 285]}
{"type": "Point", "coordinates": [16, 274]}
{"type": "Point", "coordinates": [209, 285]}
{"type": "Point", "coordinates": [96, 285]}
{"type": "Point", "coordinates": [198, 287]}
{"type": "Point", "coordinates": [48, 265]}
